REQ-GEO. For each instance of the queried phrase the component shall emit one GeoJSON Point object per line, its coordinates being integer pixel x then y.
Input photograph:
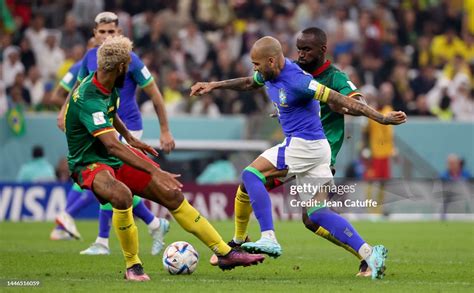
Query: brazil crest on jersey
{"type": "Point", "coordinates": [137, 74]}
{"type": "Point", "coordinates": [294, 93]}
{"type": "Point", "coordinates": [333, 122]}
{"type": "Point", "coordinates": [90, 113]}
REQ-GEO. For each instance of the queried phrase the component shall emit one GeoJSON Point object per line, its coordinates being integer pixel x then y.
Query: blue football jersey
{"type": "Point", "coordinates": [295, 95]}
{"type": "Point", "coordinates": [137, 75]}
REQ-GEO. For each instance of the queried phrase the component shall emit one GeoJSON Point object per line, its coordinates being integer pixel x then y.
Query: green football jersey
{"type": "Point", "coordinates": [333, 122]}
{"type": "Point", "coordinates": [90, 113]}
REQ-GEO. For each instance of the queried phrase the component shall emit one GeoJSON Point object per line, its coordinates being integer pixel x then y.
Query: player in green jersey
{"type": "Point", "coordinates": [114, 171]}
{"type": "Point", "coordinates": [311, 45]}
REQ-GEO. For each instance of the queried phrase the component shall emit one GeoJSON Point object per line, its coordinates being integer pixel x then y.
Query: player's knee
{"type": "Point", "coordinates": [172, 199]}
{"type": "Point", "coordinates": [122, 198]}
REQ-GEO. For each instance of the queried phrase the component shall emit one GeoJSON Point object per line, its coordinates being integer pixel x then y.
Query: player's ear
{"type": "Point", "coordinates": [324, 49]}
{"type": "Point", "coordinates": [119, 31]}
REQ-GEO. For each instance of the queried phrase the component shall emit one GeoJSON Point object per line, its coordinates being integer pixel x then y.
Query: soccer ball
{"type": "Point", "coordinates": [180, 258]}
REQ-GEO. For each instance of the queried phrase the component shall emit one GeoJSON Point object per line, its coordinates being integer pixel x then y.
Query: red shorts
{"type": "Point", "coordinates": [135, 179]}
{"type": "Point", "coordinates": [379, 169]}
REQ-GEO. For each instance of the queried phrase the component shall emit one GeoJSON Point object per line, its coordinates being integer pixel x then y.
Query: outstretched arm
{"type": "Point", "coordinates": [335, 99]}
{"type": "Point", "coordinates": [345, 111]}
{"type": "Point", "coordinates": [238, 84]}
{"type": "Point", "coordinates": [166, 139]}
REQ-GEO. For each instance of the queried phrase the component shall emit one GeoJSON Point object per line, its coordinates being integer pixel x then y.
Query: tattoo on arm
{"type": "Point", "coordinates": [361, 99]}
{"type": "Point", "coordinates": [355, 106]}
{"type": "Point", "coordinates": [238, 84]}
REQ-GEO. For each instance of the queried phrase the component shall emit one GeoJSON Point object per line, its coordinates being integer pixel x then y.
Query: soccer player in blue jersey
{"type": "Point", "coordinates": [137, 75]}
{"type": "Point", "coordinates": [305, 152]}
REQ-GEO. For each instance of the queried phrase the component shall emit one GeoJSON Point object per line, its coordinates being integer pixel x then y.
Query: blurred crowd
{"type": "Point", "coordinates": [416, 54]}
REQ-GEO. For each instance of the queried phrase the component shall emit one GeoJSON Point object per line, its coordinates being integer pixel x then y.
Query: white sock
{"type": "Point", "coordinates": [103, 241]}
{"type": "Point", "coordinates": [365, 251]}
{"type": "Point", "coordinates": [269, 234]}
{"type": "Point", "coordinates": [154, 224]}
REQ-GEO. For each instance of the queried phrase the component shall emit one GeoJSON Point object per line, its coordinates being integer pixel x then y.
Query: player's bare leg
{"type": "Point", "coordinates": [109, 189]}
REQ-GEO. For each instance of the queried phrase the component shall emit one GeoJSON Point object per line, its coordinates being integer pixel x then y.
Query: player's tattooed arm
{"type": "Point", "coordinates": [356, 106]}
{"type": "Point", "coordinates": [344, 110]}
{"type": "Point", "coordinates": [237, 84]}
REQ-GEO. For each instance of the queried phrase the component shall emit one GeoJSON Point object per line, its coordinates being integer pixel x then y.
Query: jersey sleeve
{"type": "Point", "coordinates": [308, 87]}
{"type": "Point", "coordinates": [258, 78]}
{"type": "Point", "coordinates": [68, 81]}
{"type": "Point", "coordinates": [140, 73]}
{"type": "Point", "coordinates": [343, 85]}
{"type": "Point", "coordinates": [94, 117]}
{"type": "Point", "coordinates": [83, 70]}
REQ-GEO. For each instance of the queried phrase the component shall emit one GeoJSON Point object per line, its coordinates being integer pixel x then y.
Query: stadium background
{"type": "Point", "coordinates": [418, 55]}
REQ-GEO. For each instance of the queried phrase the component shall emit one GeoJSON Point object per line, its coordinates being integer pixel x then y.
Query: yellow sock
{"type": "Point", "coordinates": [242, 210]}
{"type": "Point", "coordinates": [190, 219]}
{"type": "Point", "coordinates": [326, 235]}
{"type": "Point", "coordinates": [127, 233]}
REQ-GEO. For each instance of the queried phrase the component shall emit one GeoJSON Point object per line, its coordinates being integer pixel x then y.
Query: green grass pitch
{"type": "Point", "coordinates": [423, 257]}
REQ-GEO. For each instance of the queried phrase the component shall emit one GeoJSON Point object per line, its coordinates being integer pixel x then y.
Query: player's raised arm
{"type": "Point", "coordinates": [237, 84]}
{"type": "Point", "coordinates": [335, 99]}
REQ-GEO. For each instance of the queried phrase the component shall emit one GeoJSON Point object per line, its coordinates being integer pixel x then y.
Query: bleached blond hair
{"type": "Point", "coordinates": [113, 51]}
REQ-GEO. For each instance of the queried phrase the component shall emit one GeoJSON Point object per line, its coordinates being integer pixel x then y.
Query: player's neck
{"type": "Point", "coordinates": [319, 67]}
{"type": "Point", "coordinates": [281, 65]}
{"type": "Point", "coordinates": [106, 79]}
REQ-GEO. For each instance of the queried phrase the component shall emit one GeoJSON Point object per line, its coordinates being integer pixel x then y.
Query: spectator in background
{"type": "Point", "coordinates": [49, 66]}
{"type": "Point", "coordinates": [18, 92]}
{"type": "Point", "coordinates": [36, 34]}
{"type": "Point", "coordinates": [425, 80]}
{"type": "Point", "coordinates": [218, 172]}
{"type": "Point", "coordinates": [70, 35]}
{"type": "Point", "coordinates": [446, 46]}
{"type": "Point", "coordinates": [35, 85]}
{"type": "Point", "coordinates": [38, 169]}
{"type": "Point", "coordinates": [443, 110]}
{"type": "Point", "coordinates": [11, 65]}
{"type": "Point", "coordinates": [455, 170]}
{"type": "Point", "coordinates": [84, 11]}
{"type": "Point", "coordinates": [380, 141]}
{"type": "Point", "coordinates": [452, 177]}
{"type": "Point", "coordinates": [62, 171]}
{"type": "Point", "coordinates": [27, 56]}
{"type": "Point", "coordinates": [155, 39]}
{"type": "Point", "coordinates": [462, 99]}
{"type": "Point", "coordinates": [205, 106]}
{"type": "Point", "coordinates": [194, 43]}
{"type": "Point", "coordinates": [172, 94]}
{"type": "Point", "coordinates": [422, 108]}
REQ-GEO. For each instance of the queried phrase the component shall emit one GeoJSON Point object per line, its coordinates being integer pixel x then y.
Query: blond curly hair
{"type": "Point", "coordinates": [113, 51]}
